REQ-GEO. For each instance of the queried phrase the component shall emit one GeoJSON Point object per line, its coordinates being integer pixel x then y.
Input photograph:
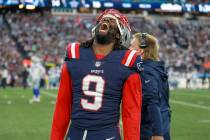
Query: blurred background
{"type": "Point", "coordinates": [42, 29]}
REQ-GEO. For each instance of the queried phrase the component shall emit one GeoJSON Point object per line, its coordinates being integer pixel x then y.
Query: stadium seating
{"type": "Point", "coordinates": [184, 45]}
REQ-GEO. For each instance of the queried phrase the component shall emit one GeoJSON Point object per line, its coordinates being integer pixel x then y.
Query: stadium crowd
{"type": "Point", "coordinates": [10, 60]}
{"type": "Point", "coordinates": [184, 44]}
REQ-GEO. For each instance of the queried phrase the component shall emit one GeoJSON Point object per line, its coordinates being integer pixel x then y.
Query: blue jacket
{"type": "Point", "coordinates": [155, 100]}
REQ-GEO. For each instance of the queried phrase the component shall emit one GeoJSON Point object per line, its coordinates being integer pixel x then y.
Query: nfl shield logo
{"type": "Point", "coordinates": [98, 64]}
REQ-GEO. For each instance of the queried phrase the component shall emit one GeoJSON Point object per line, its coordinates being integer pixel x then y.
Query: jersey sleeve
{"type": "Point", "coordinates": [133, 60]}
{"type": "Point", "coordinates": [72, 51]}
{"type": "Point", "coordinates": [63, 106]}
{"type": "Point", "coordinates": [131, 107]}
{"type": "Point", "coordinates": [151, 99]}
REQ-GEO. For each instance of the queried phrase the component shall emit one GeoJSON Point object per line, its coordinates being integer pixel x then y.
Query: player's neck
{"type": "Point", "coordinates": [102, 49]}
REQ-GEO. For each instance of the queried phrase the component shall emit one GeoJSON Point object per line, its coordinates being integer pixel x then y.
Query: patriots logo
{"type": "Point", "coordinates": [140, 66]}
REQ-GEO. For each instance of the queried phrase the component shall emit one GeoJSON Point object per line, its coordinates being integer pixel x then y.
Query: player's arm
{"type": "Point", "coordinates": [63, 106]}
{"type": "Point", "coordinates": [152, 100]}
{"type": "Point", "coordinates": [131, 107]}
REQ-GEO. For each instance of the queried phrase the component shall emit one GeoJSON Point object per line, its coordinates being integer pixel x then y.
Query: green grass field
{"type": "Point", "coordinates": [20, 120]}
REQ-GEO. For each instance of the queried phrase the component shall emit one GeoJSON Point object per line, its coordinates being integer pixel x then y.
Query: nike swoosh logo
{"type": "Point", "coordinates": [147, 81]}
{"type": "Point", "coordinates": [110, 138]}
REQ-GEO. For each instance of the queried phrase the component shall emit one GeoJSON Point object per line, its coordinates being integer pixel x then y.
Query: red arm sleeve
{"type": "Point", "coordinates": [63, 106]}
{"type": "Point", "coordinates": [131, 107]}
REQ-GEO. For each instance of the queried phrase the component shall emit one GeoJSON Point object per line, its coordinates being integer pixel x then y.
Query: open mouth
{"type": "Point", "coordinates": [104, 27]}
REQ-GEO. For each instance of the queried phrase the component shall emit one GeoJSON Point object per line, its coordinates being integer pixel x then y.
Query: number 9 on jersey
{"type": "Point", "coordinates": [97, 93]}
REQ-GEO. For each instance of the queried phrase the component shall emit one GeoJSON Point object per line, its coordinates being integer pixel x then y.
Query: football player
{"type": "Point", "coordinates": [155, 123]}
{"type": "Point", "coordinates": [96, 77]}
{"type": "Point", "coordinates": [36, 72]}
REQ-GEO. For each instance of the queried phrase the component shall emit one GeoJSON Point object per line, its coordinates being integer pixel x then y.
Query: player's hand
{"type": "Point", "coordinates": [157, 138]}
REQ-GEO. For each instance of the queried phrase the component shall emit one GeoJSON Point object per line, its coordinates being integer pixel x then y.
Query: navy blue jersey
{"type": "Point", "coordinates": [97, 88]}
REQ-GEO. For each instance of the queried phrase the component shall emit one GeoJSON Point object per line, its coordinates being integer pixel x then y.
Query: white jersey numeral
{"type": "Point", "coordinates": [97, 94]}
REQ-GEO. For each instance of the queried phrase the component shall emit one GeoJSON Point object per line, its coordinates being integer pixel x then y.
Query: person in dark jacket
{"type": "Point", "coordinates": [155, 123]}
{"type": "Point", "coordinates": [25, 75]}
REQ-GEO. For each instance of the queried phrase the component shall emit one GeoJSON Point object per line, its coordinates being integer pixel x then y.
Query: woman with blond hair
{"type": "Point", "coordinates": [155, 124]}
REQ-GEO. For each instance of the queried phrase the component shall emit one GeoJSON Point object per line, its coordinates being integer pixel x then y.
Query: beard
{"type": "Point", "coordinates": [107, 38]}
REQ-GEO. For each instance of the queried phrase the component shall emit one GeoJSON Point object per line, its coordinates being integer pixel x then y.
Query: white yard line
{"type": "Point", "coordinates": [171, 101]}
{"type": "Point", "coordinates": [190, 104]}
{"type": "Point", "coordinates": [48, 94]}
{"type": "Point", "coordinates": [195, 95]}
{"type": "Point", "coordinates": [204, 121]}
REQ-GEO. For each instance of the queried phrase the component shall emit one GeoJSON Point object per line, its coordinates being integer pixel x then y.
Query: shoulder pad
{"type": "Point", "coordinates": [133, 60]}
{"type": "Point", "coordinates": [72, 51]}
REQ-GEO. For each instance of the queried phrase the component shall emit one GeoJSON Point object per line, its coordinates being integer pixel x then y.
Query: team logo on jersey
{"type": "Point", "coordinates": [98, 64]}
{"type": "Point", "coordinates": [140, 66]}
{"type": "Point", "coordinates": [110, 138]}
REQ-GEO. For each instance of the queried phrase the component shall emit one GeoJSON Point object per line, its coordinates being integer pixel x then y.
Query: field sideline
{"type": "Point", "coordinates": [20, 120]}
